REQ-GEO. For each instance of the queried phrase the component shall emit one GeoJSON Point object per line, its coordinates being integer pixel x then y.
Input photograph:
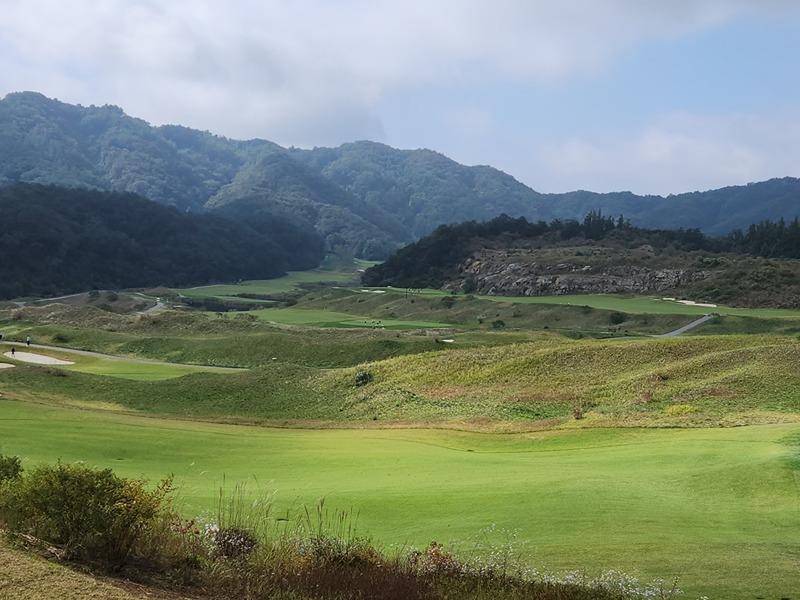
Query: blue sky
{"type": "Point", "coordinates": [649, 96]}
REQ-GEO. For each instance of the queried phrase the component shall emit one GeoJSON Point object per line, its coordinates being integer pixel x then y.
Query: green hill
{"type": "Point", "coordinates": [58, 241]}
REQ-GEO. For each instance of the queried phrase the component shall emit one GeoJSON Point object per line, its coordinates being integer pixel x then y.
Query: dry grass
{"type": "Point", "coordinates": [25, 576]}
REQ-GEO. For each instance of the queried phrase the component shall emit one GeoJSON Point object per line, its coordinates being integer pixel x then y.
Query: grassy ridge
{"type": "Point", "coordinates": [702, 381]}
{"type": "Point", "coordinates": [714, 507]}
{"type": "Point", "coordinates": [710, 380]}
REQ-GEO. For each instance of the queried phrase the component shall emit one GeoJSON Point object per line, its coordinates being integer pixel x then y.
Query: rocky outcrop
{"type": "Point", "coordinates": [532, 279]}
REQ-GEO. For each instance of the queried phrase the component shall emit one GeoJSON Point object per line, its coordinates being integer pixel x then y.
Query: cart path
{"type": "Point", "coordinates": [686, 328]}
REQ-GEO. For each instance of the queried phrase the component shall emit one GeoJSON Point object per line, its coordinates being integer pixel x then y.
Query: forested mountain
{"type": "Point", "coordinates": [363, 197]}
{"type": "Point", "coordinates": [57, 240]}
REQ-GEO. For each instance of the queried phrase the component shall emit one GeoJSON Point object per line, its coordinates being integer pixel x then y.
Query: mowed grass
{"type": "Point", "coordinates": [267, 287]}
{"type": "Point", "coordinates": [328, 318]}
{"type": "Point", "coordinates": [716, 508]}
{"type": "Point", "coordinates": [647, 305]}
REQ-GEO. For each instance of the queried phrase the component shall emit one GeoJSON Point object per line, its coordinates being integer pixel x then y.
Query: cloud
{"type": "Point", "coordinates": [694, 152]}
{"type": "Point", "coordinates": [324, 72]}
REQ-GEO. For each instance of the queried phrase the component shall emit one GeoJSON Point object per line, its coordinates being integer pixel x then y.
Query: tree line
{"type": "Point", "coordinates": [434, 259]}
{"type": "Point", "coordinates": [56, 240]}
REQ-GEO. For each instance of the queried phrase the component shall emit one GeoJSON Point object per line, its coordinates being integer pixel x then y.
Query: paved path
{"type": "Point", "coordinates": [686, 328]}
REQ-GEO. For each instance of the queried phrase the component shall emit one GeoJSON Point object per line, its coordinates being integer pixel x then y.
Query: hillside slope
{"type": "Point", "coordinates": [58, 241]}
{"type": "Point", "coordinates": [365, 196]}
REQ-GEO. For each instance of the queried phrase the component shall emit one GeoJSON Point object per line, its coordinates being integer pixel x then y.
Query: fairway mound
{"type": "Point", "coordinates": [38, 359]}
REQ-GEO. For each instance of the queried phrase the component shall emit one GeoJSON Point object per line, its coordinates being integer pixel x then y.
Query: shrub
{"type": "Point", "coordinates": [363, 378]}
{"type": "Point", "coordinates": [616, 318]}
{"type": "Point", "coordinates": [91, 514]}
{"type": "Point", "coordinates": [234, 542]}
{"type": "Point", "coordinates": [10, 467]}
{"type": "Point", "coordinates": [448, 301]}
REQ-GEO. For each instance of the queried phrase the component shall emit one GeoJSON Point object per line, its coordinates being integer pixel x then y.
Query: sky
{"type": "Point", "coordinates": [649, 96]}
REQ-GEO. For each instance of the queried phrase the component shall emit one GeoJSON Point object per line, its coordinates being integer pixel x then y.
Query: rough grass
{"type": "Point", "coordinates": [24, 576]}
{"type": "Point", "coordinates": [724, 380]}
{"type": "Point", "coordinates": [694, 381]}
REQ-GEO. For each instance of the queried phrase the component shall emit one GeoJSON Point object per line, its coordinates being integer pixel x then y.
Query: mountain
{"type": "Point", "coordinates": [364, 198]}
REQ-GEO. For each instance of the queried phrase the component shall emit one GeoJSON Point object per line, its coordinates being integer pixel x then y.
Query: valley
{"type": "Point", "coordinates": [573, 442]}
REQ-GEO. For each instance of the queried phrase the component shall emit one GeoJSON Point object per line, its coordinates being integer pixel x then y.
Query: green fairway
{"type": "Point", "coordinates": [717, 508]}
{"type": "Point", "coordinates": [267, 287]}
{"type": "Point", "coordinates": [647, 305]}
{"type": "Point", "coordinates": [136, 370]}
{"type": "Point", "coordinates": [328, 318]}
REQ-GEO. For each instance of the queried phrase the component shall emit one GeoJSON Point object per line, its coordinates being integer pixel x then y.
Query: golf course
{"type": "Point", "coordinates": [563, 439]}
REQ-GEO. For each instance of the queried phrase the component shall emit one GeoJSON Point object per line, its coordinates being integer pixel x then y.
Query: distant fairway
{"type": "Point", "coordinates": [717, 508]}
{"type": "Point", "coordinates": [288, 283]}
{"type": "Point", "coordinates": [647, 305]}
{"type": "Point", "coordinates": [325, 318]}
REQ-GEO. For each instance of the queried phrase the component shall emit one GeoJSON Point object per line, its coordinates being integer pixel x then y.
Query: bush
{"type": "Point", "coordinates": [10, 467]}
{"type": "Point", "coordinates": [363, 378]}
{"type": "Point", "coordinates": [616, 318]}
{"type": "Point", "coordinates": [91, 514]}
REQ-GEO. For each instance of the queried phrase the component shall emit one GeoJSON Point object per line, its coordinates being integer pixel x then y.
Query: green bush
{"type": "Point", "coordinates": [363, 378]}
{"type": "Point", "coordinates": [10, 467]}
{"type": "Point", "coordinates": [91, 514]}
{"type": "Point", "coordinates": [616, 318]}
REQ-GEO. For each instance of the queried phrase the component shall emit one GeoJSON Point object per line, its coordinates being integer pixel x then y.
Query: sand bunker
{"type": "Point", "coordinates": [5, 365]}
{"type": "Point", "coordinates": [39, 359]}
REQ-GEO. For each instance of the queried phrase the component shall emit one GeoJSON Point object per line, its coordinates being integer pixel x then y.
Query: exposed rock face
{"type": "Point", "coordinates": [497, 277]}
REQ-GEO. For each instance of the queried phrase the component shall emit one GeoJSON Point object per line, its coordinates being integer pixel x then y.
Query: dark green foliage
{"type": "Point", "coordinates": [91, 514]}
{"type": "Point", "coordinates": [58, 241]}
{"type": "Point", "coordinates": [10, 467]}
{"type": "Point", "coordinates": [363, 378]}
{"type": "Point", "coordinates": [616, 318]}
{"type": "Point", "coordinates": [430, 261]}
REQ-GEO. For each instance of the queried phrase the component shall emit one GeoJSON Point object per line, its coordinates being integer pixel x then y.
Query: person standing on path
{"type": "Point", "coordinates": [13, 351]}
{"type": "Point", "coordinates": [28, 340]}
